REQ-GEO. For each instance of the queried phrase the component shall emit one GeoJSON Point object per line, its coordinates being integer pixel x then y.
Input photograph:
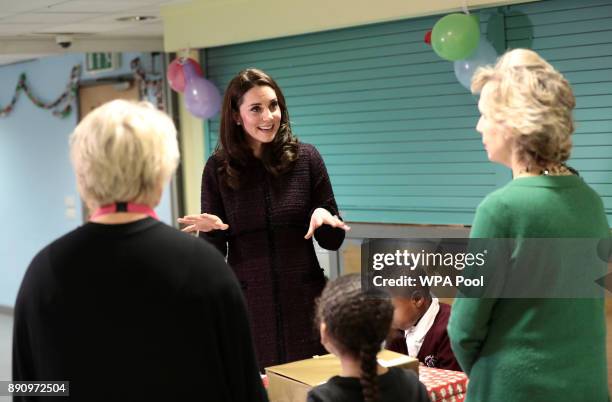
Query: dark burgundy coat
{"type": "Point", "coordinates": [277, 268]}
{"type": "Point", "coordinates": [436, 350]}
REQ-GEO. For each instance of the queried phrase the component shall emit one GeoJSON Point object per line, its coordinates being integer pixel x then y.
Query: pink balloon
{"type": "Point", "coordinates": [175, 76]}
{"type": "Point", "coordinates": [176, 73]}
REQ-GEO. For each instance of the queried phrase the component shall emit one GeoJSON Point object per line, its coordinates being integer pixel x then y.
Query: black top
{"type": "Point", "coordinates": [396, 385]}
{"type": "Point", "coordinates": [134, 312]}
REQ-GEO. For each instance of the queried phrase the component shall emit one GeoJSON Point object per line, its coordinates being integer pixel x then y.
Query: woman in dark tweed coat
{"type": "Point", "coordinates": [264, 195]}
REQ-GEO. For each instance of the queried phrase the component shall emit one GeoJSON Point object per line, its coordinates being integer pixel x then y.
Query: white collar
{"type": "Point", "coordinates": [416, 334]}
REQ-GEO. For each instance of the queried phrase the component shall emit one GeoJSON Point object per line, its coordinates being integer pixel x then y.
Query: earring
{"type": "Point", "coordinates": [238, 123]}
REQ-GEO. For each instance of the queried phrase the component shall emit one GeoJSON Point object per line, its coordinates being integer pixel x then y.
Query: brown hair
{"type": "Point", "coordinates": [233, 150]}
{"type": "Point", "coordinates": [357, 324]}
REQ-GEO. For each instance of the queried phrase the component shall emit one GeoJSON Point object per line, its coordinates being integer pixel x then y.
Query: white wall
{"type": "Point", "coordinates": [35, 172]}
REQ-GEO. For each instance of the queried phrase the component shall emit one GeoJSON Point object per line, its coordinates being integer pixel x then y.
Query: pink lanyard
{"type": "Point", "coordinates": [124, 207]}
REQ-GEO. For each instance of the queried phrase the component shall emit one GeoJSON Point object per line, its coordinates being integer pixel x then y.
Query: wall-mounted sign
{"type": "Point", "coordinates": [102, 61]}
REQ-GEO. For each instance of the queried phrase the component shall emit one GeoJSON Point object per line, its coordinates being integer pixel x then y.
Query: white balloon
{"type": "Point", "coordinates": [484, 55]}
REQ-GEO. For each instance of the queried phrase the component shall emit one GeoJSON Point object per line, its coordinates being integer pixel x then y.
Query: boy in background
{"type": "Point", "coordinates": [419, 328]}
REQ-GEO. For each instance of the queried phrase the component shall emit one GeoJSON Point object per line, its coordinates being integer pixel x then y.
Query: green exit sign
{"type": "Point", "coordinates": [98, 62]}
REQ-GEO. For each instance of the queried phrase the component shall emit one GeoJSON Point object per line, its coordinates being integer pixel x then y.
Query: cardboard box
{"type": "Point", "coordinates": [291, 382]}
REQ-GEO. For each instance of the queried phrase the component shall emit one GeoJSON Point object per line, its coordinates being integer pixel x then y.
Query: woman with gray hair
{"type": "Point", "coordinates": [534, 349]}
{"type": "Point", "coordinates": [125, 307]}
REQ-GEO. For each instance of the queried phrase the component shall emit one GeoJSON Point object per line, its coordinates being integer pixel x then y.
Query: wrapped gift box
{"type": "Point", "coordinates": [443, 385]}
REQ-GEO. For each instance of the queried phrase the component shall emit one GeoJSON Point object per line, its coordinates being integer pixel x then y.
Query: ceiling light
{"type": "Point", "coordinates": [136, 18]}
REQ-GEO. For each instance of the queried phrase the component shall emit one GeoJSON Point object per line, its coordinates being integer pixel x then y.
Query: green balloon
{"type": "Point", "coordinates": [455, 36]}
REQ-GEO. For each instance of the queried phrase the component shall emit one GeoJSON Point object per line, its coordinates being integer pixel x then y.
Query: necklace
{"type": "Point", "coordinates": [559, 170]}
{"type": "Point", "coordinates": [527, 173]}
{"type": "Point", "coordinates": [124, 207]}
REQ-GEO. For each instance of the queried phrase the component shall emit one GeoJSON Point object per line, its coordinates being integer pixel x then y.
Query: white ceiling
{"type": "Point", "coordinates": [28, 28]}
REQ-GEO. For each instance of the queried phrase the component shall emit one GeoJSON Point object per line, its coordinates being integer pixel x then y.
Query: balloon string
{"type": "Point", "coordinates": [184, 54]}
{"type": "Point", "coordinates": [465, 7]}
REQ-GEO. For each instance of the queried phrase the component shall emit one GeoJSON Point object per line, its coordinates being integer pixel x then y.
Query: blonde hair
{"type": "Point", "coordinates": [535, 102]}
{"type": "Point", "coordinates": [123, 152]}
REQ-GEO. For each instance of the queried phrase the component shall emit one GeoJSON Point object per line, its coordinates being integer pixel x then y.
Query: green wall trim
{"type": "Point", "coordinates": [396, 129]}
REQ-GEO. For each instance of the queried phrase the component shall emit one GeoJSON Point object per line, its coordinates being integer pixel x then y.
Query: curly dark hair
{"type": "Point", "coordinates": [233, 150]}
{"type": "Point", "coordinates": [357, 324]}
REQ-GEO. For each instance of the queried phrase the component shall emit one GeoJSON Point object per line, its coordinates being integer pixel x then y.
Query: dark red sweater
{"type": "Point", "coordinates": [436, 350]}
{"type": "Point", "coordinates": [277, 268]}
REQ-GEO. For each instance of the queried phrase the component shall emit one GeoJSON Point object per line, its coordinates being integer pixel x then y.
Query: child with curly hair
{"type": "Point", "coordinates": [353, 326]}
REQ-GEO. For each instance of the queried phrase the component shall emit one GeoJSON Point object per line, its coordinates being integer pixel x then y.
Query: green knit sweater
{"type": "Point", "coordinates": [534, 349]}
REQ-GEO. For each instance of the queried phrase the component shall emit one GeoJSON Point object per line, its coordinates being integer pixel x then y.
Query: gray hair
{"type": "Point", "coordinates": [124, 152]}
{"type": "Point", "coordinates": [535, 101]}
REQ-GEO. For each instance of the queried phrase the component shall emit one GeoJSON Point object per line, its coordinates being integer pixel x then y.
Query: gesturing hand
{"type": "Point", "coordinates": [322, 216]}
{"type": "Point", "coordinates": [202, 223]}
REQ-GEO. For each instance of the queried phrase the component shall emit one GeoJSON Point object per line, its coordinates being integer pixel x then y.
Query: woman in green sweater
{"type": "Point", "coordinates": [534, 349]}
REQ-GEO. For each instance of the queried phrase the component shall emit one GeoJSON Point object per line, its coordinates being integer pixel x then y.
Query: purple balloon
{"type": "Point", "coordinates": [189, 71]}
{"type": "Point", "coordinates": [202, 98]}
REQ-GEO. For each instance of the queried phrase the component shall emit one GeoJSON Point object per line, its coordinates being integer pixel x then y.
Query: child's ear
{"type": "Point", "coordinates": [418, 300]}
{"type": "Point", "coordinates": [323, 332]}
{"type": "Point", "coordinates": [326, 340]}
